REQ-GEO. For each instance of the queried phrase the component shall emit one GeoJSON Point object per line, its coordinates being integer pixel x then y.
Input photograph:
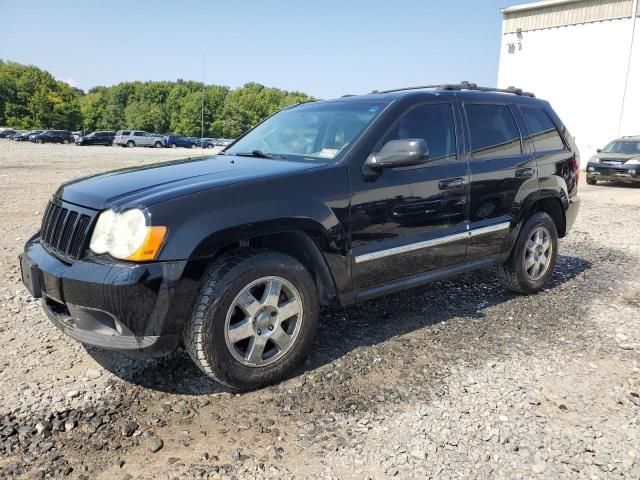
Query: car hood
{"type": "Point", "coordinates": [615, 157]}
{"type": "Point", "coordinates": [144, 186]}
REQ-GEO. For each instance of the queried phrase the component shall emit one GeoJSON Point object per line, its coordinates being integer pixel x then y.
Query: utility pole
{"type": "Point", "coordinates": [634, 17]}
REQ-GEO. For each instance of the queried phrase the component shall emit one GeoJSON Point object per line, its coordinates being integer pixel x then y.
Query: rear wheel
{"type": "Point", "coordinates": [173, 145]}
{"type": "Point", "coordinates": [65, 141]}
{"type": "Point", "coordinates": [533, 258]}
{"type": "Point", "coordinates": [193, 145]}
{"type": "Point", "coordinates": [158, 145]}
{"type": "Point", "coordinates": [592, 181]}
{"type": "Point", "coordinates": [39, 140]}
{"type": "Point", "coordinates": [131, 144]}
{"type": "Point", "coordinates": [254, 318]}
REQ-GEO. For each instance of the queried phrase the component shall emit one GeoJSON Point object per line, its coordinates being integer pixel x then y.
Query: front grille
{"type": "Point", "coordinates": [65, 230]}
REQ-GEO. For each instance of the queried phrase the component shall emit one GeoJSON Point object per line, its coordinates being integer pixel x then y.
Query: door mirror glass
{"type": "Point", "coordinates": [599, 150]}
{"type": "Point", "coordinates": [399, 153]}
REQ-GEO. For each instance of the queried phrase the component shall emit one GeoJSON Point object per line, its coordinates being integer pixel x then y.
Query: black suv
{"type": "Point", "coordinates": [97, 138]}
{"type": "Point", "coordinates": [53, 136]}
{"type": "Point", "coordinates": [324, 203]}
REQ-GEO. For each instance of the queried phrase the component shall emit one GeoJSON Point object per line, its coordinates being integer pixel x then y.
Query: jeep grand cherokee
{"type": "Point", "coordinates": [324, 203]}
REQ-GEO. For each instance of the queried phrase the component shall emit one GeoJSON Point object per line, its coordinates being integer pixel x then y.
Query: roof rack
{"type": "Point", "coordinates": [464, 85]}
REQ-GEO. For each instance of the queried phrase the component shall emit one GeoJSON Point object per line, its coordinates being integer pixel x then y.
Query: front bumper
{"type": "Point", "coordinates": [619, 173]}
{"type": "Point", "coordinates": [116, 306]}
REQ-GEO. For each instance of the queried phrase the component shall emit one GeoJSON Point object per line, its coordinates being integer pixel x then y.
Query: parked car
{"type": "Point", "coordinates": [224, 142]}
{"type": "Point", "coordinates": [52, 136]}
{"type": "Point", "coordinates": [100, 137]}
{"type": "Point", "coordinates": [205, 142]}
{"type": "Point", "coordinates": [7, 132]}
{"type": "Point", "coordinates": [618, 161]}
{"type": "Point", "coordinates": [174, 141]}
{"type": "Point", "coordinates": [138, 138]}
{"type": "Point", "coordinates": [325, 203]}
{"type": "Point", "coordinates": [77, 135]}
{"type": "Point", "coordinates": [24, 136]}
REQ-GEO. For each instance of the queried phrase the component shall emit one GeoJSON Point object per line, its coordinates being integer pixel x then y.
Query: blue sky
{"type": "Point", "coordinates": [324, 47]}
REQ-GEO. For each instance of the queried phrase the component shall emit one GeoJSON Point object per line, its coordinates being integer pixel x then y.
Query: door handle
{"type": "Point", "coordinates": [525, 172]}
{"type": "Point", "coordinates": [451, 183]}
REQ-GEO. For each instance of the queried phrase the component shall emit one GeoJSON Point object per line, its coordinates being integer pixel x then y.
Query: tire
{"type": "Point", "coordinates": [591, 181]}
{"type": "Point", "coordinates": [514, 274]}
{"type": "Point", "coordinates": [206, 335]}
{"type": "Point", "coordinates": [65, 141]}
{"type": "Point", "coordinates": [193, 145]}
{"type": "Point", "coordinates": [209, 146]}
{"type": "Point", "coordinates": [158, 144]}
{"type": "Point", "coordinates": [173, 145]}
{"type": "Point", "coordinates": [131, 144]}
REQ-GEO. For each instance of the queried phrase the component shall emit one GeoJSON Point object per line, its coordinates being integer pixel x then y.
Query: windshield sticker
{"type": "Point", "coordinates": [328, 152]}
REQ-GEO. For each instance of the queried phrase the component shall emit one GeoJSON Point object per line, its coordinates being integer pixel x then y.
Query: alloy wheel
{"type": "Point", "coordinates": [537, 253]}
{"type": "Point", "coordinates": [263, 321]}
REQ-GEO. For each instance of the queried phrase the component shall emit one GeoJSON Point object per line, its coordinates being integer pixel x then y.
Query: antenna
{"type": "Point", "coordinates": [202, 111]}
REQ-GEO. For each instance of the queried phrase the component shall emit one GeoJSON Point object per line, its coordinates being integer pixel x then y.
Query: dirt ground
{"type": "Point", "coordinates": [459, 379]}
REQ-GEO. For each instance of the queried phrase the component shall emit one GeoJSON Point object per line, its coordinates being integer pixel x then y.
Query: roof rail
{"type": "Point", "coordinates": [464, 85]}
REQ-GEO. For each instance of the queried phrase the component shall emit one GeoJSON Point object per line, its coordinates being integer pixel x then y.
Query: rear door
{"type": "Point", "coordinates": [407, 221]}
{"type": "Point", "coordinates": [141, 139]}
{"type": "Point", "coordinates": [503, 174]}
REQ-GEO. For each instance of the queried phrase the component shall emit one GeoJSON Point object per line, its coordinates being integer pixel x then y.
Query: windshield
{"type": "Point", "coordinates": [623, 146]}
{"type": "Point", "coordinates": [317, 131]}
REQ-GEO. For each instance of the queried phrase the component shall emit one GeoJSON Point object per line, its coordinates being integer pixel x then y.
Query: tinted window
{"type": "Point", "coordinates": [434, 124]}
{"type": "Point", "coordinates": [544, 133]}
{"type": "Point", "coordinates": [138, 134]}
{"type": "Point", "coordinates": [494, 132]}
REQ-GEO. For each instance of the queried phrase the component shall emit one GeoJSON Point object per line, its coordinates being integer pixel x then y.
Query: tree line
{"type": "Point", "coordinates": [33, 98]}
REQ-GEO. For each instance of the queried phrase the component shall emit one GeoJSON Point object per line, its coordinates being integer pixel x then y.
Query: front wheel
{"type": "Point", "coordinates": [591, 181]}
{"type": "Point", "coordinates": [533, 257]}
{"type": "Point", "coordinates": [254, 318]}
{"type": "Point", "coordinates": [65, 141]}
{"type": "Point", "coordinates": [158, 145]}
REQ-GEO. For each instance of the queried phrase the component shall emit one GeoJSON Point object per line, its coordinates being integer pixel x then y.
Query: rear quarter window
{"type": "Point", "coordinates": [544, 134]}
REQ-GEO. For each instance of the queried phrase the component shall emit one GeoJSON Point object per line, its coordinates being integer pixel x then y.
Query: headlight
{"type": "Point", "coordinates": [127, 236]}
{"type": "Point", "coordinates": [633, 161]}
{"type": "Point", "coordinates": [594, 160]}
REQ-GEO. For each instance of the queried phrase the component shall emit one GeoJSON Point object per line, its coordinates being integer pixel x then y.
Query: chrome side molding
{"type": "Point", "coordinates": [432, 243]}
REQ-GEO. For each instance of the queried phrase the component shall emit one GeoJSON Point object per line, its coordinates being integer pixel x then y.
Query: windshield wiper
{"type": "Point", "coordinates": [260, 154]}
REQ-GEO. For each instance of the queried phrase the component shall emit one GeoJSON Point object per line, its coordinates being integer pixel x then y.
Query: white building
{"type": "Point", "coordinates": [584, 57]}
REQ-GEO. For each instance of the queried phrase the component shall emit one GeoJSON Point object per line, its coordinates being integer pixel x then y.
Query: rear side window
{"type": "Point", "coordinates": [138, 134]}
{"type": "Point", "coordinates": [493, 129]}
{"type": "Point", "coordinates": [544, 133]}
{"type": "Point", "coordinates": [434, 124]}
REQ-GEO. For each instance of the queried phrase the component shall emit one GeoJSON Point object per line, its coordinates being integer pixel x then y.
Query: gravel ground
{"type": "Point", "coordinates": [457, 380]}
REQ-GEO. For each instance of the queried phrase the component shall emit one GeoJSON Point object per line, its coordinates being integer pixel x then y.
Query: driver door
{"type": "Point", "coordinates": [411, 220]}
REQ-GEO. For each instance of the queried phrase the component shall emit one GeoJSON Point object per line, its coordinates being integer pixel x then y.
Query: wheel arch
{"type": "Point", "coordinates": [552, 205]}
{"type": "Point", "coordinates": [301, 239]}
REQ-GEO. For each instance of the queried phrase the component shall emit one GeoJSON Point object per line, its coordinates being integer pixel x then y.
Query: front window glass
{"type": "Point", "coordinates": [434, 124]}
{"type": "Point", "coordinates": [623, 146]}
{"type": "Point", "coordinates": [317, 131]}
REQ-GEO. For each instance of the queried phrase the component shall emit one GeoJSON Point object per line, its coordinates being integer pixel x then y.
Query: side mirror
{"type": "Point", "coordinates": [599, 150]}
{"type": "Point", "coordinates": [399, 153]}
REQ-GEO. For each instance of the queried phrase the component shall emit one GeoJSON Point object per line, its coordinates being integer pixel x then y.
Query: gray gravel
{"type": "Point", "coordinates": [457, 380]}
